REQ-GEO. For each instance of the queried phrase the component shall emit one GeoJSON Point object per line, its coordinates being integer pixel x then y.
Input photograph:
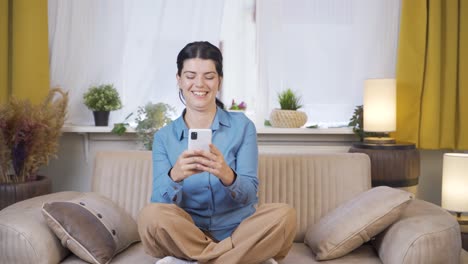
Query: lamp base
{"type": "Point", "coordinates": [379, 140]}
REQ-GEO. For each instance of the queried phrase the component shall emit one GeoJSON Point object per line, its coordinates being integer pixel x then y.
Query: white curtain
{"type": "Point", "coordinates": [238, 35]}
{"type": "Point", "coordinates": [324, 50]}
{"type": "Point", "coordinates": [132, 44]}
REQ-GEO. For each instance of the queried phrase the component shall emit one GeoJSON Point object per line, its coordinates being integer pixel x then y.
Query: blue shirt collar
{"type": "Point", "coordinates": [221, 118]}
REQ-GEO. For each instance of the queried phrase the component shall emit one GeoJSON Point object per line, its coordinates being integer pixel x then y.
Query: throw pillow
{"type": "Point", "coordinates": [356, 221]}
{"type": "Point", "coordinates": [91, 226]}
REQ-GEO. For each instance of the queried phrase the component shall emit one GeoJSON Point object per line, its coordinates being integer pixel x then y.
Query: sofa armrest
{"type": "Point", "coordinates": [24, 234]}
{"type": "Point", "coordinates": [425, 233]}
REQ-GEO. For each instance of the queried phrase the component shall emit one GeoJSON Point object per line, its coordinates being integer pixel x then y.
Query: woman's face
{"type": "Point", "coordinates": [200, 83]}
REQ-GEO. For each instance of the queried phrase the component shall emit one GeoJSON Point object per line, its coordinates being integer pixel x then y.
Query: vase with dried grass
{"type": "Point", "coordinates": [29, 137]}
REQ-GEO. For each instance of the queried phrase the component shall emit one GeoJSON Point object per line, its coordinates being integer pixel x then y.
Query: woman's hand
{"type": "Point", "coordinates": [186, 165]}
{"type": "Point", "coordinates": [195, 161]}
{"type": "Point", "coordinates": [214, 163]}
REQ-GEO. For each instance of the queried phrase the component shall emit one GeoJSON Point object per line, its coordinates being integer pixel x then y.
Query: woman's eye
{"type": "Point", "coordinates": [190, 77]}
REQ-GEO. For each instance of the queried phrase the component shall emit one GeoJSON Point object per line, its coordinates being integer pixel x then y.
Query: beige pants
{"type": "Point", "coordinates": [167, 230]}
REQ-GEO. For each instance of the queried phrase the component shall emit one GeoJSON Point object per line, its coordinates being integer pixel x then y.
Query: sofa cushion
{"type": "Point", "coordinates": [313, 183]}
{"type": "Point", "coordinates": [424, 233]}
{"type": "Point", "coordinates": [24, 234]}
{"type": "Point", "coordinates": [93, 227]}
{"type": "Point", "coordinates": [356, 221]}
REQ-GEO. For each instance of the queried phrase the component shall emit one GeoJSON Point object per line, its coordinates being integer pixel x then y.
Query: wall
{"type": "Point", "coordinates": [72, 171]}
{"type": "Point", "coordinates": [430, 181]}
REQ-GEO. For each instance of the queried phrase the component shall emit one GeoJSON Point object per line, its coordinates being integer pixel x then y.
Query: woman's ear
{"type": "Point", "coordinates": [178, 81]}
{"type": "Point", "coordinates": [220, 84]}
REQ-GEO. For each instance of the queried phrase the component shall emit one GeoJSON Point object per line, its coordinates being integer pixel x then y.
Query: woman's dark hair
{"type": "Point", "coordinates": [203, 50]}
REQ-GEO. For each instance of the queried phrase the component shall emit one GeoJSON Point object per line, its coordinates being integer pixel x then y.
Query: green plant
{"type": "Point", "coordinates": [357, 123]}
{"type": "Point", "coordinates": [121, 128]}
{"type": "Point", "coordinates": [29, 135]}
{"type": "Point", "coordinates": [288, 100]}
{"type": "Point", "coordinates": [150, 119]}
{"type": "Point", "coordinates": [102, 98]}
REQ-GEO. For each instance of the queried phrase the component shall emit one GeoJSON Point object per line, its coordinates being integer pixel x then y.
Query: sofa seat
{"type": "Point", "coordinates": [299, 254]}
{"type": "Point", "coordinates": [133, 255]}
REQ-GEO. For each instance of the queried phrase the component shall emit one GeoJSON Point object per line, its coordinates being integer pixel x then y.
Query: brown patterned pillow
{"type": "Point", "coordinates": [93, 227]}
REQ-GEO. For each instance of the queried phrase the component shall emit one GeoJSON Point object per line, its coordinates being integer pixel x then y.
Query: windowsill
{"type": "Point", "coordinates": [329, 139]}
{"type": "Point", "coordinates": [67, 128]}
{"type": "Point", "coordinates": [260, 130]}
{"type": "Point", "coordinates": [289, 131]}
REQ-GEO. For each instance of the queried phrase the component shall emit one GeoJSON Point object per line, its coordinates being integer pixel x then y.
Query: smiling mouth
{"type": "Point", "coordinates": [200, 93]}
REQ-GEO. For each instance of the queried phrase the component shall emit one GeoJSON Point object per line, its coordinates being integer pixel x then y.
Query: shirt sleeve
{"type": "Point", "coordinates": [165, 190]}
{"type": "Point", "coordinates": [244, 189]}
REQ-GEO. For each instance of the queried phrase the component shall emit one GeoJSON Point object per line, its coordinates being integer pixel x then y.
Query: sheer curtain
{"type": "Point", "coordinates": [238, 35]}
{"type": "Point", "coordinates": [324, 50]}
{"type": "Point", "coordinates": [132, 44]}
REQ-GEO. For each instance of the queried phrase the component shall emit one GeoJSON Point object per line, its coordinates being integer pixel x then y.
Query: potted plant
{"type": "Point", "coordinates": [242, 106]}
{"type": "Point", "coordinates": [29, 137]}
{"type": "Point", "coordinates": [288, 115]}
{"type": "Point", "coordinates": [357, 123]}
{"type": "Point", "coordinates": [150, 119]}
{"type": "Point", "coordinates": [101, 100]}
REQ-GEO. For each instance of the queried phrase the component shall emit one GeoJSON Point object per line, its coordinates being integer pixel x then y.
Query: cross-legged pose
{"type": "Point", "coordinates": [204, 202]}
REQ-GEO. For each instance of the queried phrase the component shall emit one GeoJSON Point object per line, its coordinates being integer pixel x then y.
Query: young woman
{"type": "Point", "coordinates": [204, 202]}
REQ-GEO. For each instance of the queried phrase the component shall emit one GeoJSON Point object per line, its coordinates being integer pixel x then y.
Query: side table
{"type": "Point", "coordinates": [395, 165]}
{"type": "Point", "coordinates": [463, 222]}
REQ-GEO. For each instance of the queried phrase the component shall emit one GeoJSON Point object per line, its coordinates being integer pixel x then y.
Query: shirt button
{"type": "Point", "coordinates": [208, 187]}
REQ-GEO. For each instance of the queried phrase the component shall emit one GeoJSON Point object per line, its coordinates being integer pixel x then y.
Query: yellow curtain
{"type": "Point", "coordinates": [432, 74]}
{"type": "Point", "coordinates": [24, 55]}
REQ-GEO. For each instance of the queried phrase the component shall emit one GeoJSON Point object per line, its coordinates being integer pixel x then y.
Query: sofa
{"type": "Point", "coordinates": [314, 184]}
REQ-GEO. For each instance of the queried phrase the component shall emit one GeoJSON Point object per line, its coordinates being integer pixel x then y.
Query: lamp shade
{"type": "Point", "coordinates": [379, 105]}
{"type": "Point", "coordinates": [455, 182]}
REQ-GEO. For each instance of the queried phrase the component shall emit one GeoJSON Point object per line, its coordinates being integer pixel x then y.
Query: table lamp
{"type": "Point", "coordinates": [455, 183]}
{"type": "Point", "coordinates": [379, 110]}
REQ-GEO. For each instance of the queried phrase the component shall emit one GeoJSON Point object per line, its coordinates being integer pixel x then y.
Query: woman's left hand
{"type": "Point", "coordinates": [214, 163]}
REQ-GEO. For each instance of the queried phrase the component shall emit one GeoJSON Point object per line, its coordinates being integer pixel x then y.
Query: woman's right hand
{"type": "Point", "coordinates": [186, 165]}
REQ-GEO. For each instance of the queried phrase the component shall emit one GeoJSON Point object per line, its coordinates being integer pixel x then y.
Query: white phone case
{"type": "Point", "coordinates": [199, 139]}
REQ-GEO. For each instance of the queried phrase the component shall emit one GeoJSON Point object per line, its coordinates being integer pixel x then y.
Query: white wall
{"type": "Point", "coordinates": [430, 181]}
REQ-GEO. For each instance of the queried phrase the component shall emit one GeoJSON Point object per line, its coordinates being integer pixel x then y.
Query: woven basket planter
{"type": "Point", "coordinates": [11, 193]}
{"type": "Point", "coordinates": [287, 118]}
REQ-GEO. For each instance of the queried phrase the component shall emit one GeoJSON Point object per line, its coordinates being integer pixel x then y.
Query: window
{"type": "Point", "coordinates": [324, 50]}
{"type": "Point", "coordinates": [132, 44]}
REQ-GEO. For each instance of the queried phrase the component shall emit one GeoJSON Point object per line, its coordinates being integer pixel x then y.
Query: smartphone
{"type": "Point", "coordinates": [199, 139]}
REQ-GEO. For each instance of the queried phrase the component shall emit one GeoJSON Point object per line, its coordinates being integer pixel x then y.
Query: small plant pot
{"type": "Point", "coordinates": [101, 118]}
{"type": "Point", "coordinates": [287, 118]}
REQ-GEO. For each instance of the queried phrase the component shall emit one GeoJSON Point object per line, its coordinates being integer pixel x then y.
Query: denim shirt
{"type": "Point", "coordinates": [214, 207]}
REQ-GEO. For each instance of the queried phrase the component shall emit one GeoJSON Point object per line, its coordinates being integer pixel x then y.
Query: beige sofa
{"type": "Point", "coordinates": [312, 183]}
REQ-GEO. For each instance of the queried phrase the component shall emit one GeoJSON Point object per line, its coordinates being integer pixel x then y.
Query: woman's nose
{"type": "Point", "coordinates": [199, 81]}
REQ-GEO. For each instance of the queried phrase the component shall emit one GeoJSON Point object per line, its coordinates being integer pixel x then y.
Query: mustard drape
{"type": "Point", "coordinates": [432, 74]}
{"type": "Point", "coordinates": [24, 55]}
